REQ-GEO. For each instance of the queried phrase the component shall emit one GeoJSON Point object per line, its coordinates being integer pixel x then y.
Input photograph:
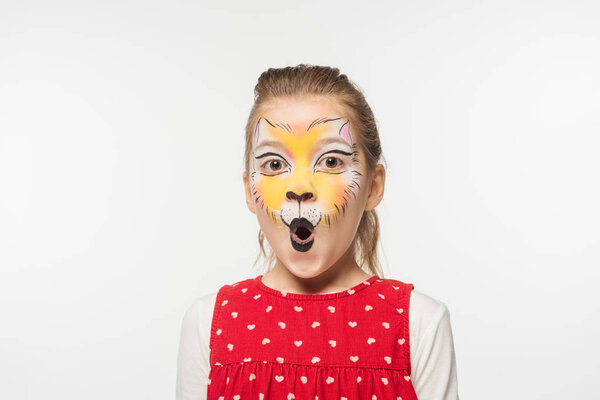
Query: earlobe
{"type": "Point", "coordinates": [377, 188]}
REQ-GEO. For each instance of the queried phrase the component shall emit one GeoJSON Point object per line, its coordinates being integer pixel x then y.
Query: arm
{"type": "Point", "coordinates": [193, 362]}
{"type": "Point", "coordinates": [433, 360]}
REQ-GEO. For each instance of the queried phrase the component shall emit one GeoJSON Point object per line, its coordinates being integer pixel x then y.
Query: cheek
{"type": "Point", "coordinates": [272, 191]}
{"type": "Point", "coordinates": [330, 188]}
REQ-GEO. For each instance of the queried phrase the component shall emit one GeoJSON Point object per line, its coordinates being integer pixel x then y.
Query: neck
{"type": "Point", "coordinates": [342, 275]}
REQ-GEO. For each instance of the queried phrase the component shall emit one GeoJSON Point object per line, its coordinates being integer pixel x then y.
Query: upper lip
{"type": "Point", "coordinates": [298, 222]}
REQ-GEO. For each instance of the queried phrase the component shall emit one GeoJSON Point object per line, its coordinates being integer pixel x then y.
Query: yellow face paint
{"type": "Point", "coordinates": [304, 177]}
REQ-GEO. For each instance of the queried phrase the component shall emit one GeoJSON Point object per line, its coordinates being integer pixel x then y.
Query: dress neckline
{"type": "Point", "coordinates": [316, 296]}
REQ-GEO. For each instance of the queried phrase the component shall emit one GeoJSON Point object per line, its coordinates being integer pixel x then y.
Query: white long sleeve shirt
{"type": "Point", "coordinates": [433, 363]}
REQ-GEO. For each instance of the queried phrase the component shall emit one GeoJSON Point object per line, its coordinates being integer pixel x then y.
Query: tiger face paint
{"type": "Point", "coordinates": [305, 178]}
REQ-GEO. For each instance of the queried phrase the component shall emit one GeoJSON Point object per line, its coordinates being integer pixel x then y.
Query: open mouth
{"type": "Point", "coordinates": [302, 234]}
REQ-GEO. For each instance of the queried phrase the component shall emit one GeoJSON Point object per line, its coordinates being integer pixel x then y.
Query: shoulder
{"type": "Point", "coordinates": [425, 312]}
{"type": "Point", "coordinates": [200, 311]}
{"type": "Point", "coordinates": [422, 306]}
{"type": "Point", "coordinates": [394, 287]}
{"type": "Point", "coordinates": [425, 307]}
{"type": "Point", "coordinates": [203, 306]}
{"type": "Point", "coordinates": [429, 318]}
{"type": "Point", "coordinates": [239, 286]}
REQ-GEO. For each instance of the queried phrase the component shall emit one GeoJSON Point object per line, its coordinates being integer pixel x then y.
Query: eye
{"type": "Point", "coordinates": [274, 165]}
{"type": "Point", "coordinates": [331, 162]}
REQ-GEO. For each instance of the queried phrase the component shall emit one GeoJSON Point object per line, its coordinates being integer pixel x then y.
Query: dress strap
{"type": "Point", "coordinates": [402, 305]}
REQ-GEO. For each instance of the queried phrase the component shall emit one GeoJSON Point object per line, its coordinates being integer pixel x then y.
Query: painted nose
{"type": "Point", "coordinates": [303, 197]}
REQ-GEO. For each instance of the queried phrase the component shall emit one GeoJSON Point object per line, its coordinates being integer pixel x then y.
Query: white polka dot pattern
{"type": "Point", "coordinates": [268, 344]}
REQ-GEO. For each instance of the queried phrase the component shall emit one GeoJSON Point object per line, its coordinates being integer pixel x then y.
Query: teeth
{"type": "Point", "coordinates": [297, 239]}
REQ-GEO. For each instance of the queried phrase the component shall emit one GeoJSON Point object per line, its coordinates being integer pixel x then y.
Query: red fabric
{"type": "Point", "coordinates": [267, 344]}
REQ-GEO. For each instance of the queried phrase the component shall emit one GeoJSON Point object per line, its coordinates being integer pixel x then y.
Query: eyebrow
{"type": "Point", "coordinates": [319, 121]}
{"type": "Point", "coordinates": [338, 140]}
{"type": "Point", "coordinates": [276, 143]}
{"type": "Point", "coordinates": [316, 122]}
{"type": "Point", "coordinates": [265, 143]}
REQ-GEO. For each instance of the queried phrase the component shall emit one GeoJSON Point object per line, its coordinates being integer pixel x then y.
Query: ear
{"type": "Point", "coordinates": [377, 188]}
{"type": "Point", "coordinates": [342, 126]}
{"type": "Point", "coordinates": [249, 199]}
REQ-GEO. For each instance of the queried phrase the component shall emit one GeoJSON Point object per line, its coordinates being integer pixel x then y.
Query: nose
{"type": "Point", "coordinates": [303, 197]}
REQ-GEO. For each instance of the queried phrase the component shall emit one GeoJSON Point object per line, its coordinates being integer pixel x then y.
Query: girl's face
{"type": "Point", "coordinates": [307, 182]}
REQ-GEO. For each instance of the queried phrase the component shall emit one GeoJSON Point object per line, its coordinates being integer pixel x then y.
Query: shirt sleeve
{"type": "Point", "coordinates": [193, 360]}
{"type": "Point", "coordinates": [433, 361]}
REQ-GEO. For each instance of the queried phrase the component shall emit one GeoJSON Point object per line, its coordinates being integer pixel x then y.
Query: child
{"type": "Point", "coordinates": [322, 322]}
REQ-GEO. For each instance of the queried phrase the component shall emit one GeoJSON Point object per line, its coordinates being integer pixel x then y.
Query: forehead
{"type": "Point", "coordinates": [300, 113]}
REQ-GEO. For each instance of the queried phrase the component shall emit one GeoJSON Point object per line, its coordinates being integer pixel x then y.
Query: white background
{"type": "Point", "coordinates": [121, 199]}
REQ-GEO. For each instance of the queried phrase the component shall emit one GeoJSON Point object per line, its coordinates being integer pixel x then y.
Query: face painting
{"type": "Point", "coordinates": [304, 177]}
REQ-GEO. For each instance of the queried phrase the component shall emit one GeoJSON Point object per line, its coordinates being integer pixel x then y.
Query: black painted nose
{"type": "Point", "coordinates": [303, 197]}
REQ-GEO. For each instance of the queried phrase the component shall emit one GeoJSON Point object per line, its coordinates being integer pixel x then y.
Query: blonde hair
{"type": "Point", "coordinates": [312, 80]}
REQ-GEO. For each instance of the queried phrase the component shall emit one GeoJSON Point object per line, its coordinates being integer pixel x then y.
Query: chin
{"type": "Point", "coordinates": [305, 269]}
{"type": "Point", "coordinates": [307, 264]}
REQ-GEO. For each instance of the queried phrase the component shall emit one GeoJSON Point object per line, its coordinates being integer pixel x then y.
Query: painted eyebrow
{"type": "Point", "coordinates": [324, 141]}
{"type": "Point", "coordinates": [282, 126]}
{"type": "Point", "coordinates": [319, 121]}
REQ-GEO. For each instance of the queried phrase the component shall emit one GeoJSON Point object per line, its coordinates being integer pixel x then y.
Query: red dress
{"type": "Point", "coordinates": [349, 345]}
